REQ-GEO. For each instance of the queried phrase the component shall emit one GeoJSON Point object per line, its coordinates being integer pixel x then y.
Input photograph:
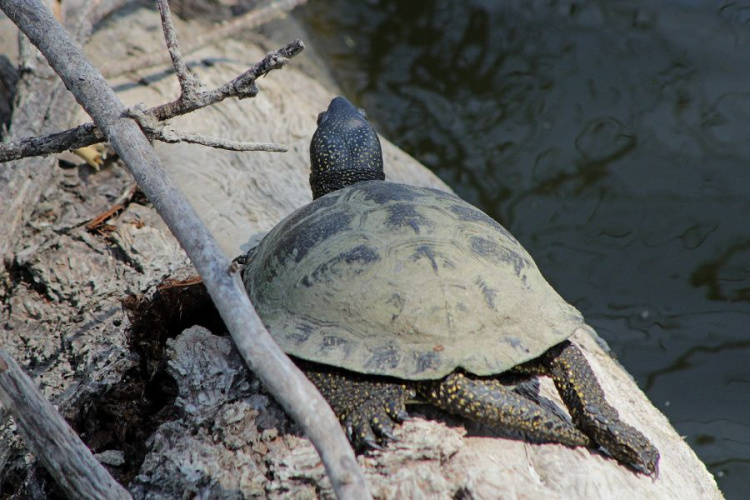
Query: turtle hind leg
{"type": "Point", "coordinates": [488, 402]}
{"type": "Point", "coordinates": [579, 389]}
{"type": "Point", "coordinates": [367, 407]}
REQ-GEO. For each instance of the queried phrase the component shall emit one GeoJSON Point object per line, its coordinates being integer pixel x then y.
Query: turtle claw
{"type": "Point", "coordinates": [385, 431]}
{"type": "Point", "coordinates": [633, 449]}
{"type": "Point", "coordinates": [396, 408]}
{"type": "Point", "coordinates": [646, 461]}
{"type": "Point", "coordinates": [370, 445]}
{"type": "Point", "coordinates": [388, 435]}
{"type": "Point", "coordinates": [402, 416]}
{"type": "Point", "coordinates": [370, 427]}
{"type": "Point", "coordinates": [360, 433]}
{"type": "Point", "coordinates": [367, 409]}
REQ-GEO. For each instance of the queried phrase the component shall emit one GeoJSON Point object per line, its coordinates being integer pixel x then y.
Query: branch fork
{"type": "Point", "coordinates": [194, 95]}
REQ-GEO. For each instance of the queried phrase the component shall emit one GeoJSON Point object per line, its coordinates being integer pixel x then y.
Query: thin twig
{"type": "Point", "coordinates": [241, 87]}
{"type": "Point", "coordinates": [127, 194]}
{"type": "Point", "coordinates": [51, 439]}
{"type": "Point", "coordinates": [166, 133]}
{"type": "Point", "coordinates": [248, 20]}
{"type": "Point", "coordinates": [100, 219]}
{"type": "Point", "coordinates": [87, 134]}
{"type": "Point", "coordinates": [170, 135]}
{"type": "Point", "coordinates": [279, 375]}
{"type": "Point", "coordinates": [57, 142]}
{"type": "Point", "coordinates": [189, 83]}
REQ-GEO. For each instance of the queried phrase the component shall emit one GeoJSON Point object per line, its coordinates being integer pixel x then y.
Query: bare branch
{"type": "Point", "coordinates": [241, 87]}
{"type": "Point", "coordinates": [170, 135]}
{"type": "Point", "coordinates": [87, 134]}
{"type": "Point", "coordinates": [50, 438]}
{"type": "Point", "coordinates": [279, 375]}
{"type": "Point", "coordinates": [74, 138]}
{"type": "Point", "coordinates": [166, 133]}
{"type": "Point", "coordinates": [251, 19]}
{"type": "Point", "coordinates": [189, 84]}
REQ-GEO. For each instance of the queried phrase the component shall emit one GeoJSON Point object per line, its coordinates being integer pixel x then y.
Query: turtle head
{"type": "Point", "coordinates": [344, 150]}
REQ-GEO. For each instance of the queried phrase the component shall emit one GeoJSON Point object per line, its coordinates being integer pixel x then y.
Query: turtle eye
{"type": "Point", "coordinates": [322, 116]}
{"type": "Point", "coordinates": [362, 112]}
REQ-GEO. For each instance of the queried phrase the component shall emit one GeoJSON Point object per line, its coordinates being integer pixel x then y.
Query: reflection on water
{"type": "Point", "coordinates": [613, 139]}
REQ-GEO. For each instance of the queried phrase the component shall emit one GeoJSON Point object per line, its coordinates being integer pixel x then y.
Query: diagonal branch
{"type": "Point", "coordinates": [51, 439]}
{"type": "Point", "coordinates": [279, 375]}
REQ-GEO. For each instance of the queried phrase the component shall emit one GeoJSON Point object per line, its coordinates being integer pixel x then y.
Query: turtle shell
{"type": "Point", "coordinates": [403, 281]}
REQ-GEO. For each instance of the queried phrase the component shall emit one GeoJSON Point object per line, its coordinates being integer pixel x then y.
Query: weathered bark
{"type": "Point", "coordinates": [217, 433]}
{"type": "Point", "coordinates": [283, 379]}
{"type": "Point", "coordinates": [69, 461]}
{"type": "Point", "coordinates": [43, 106]}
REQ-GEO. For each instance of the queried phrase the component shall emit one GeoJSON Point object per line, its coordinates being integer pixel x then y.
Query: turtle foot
{"type": "Point", "coordinates": [624, 443]}
{"type": "Point", "coordinates": [369, 427]}
{"type": "Point", "coordinates": [367, 407]}
{"type": "Point", "coordinates": [578, 387]}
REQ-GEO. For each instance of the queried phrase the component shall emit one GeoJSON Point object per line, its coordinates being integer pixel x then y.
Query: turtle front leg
{"type": "Point", "coordinates": [366, 406]}
{"type": "Point", "coordinates": [579, 389]}
{"type": "Point", "coordinates": [489, 402]}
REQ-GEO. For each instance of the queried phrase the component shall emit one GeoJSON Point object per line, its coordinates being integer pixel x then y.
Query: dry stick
{"type": "Point", "coordinates": [280, 376]}
{"type": "Point", "coordinates": [241, 87]}
{"type": "Point", "coordinates": [50, 438]}
{"type": "Point", "coordinates": [189, 83]}
{"type": "Point", "coordinates": [87, 134]}
{"type": "Point", "coordinates": [74, 138]}
{"type": "Point", "coordinates": [165, 133]}
{"type": "Point", "coordinates": [171, 136]}
{"type": "Point", "coordinates": [251, 19]}
{"type": "Point", "coordinates": [191, 91]}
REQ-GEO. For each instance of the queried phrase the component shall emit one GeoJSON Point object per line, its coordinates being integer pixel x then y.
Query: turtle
{"type": "Point", "coordinates": [386, 294]}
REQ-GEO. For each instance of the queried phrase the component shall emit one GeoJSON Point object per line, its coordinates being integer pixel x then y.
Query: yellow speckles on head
{"type": "Point", "coordinates": [344, 150]}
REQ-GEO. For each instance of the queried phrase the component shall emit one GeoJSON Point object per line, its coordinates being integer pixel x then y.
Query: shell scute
{"type": "Point", "coordinates": [403, 215]}
{"type": "Point", "coordinates": [296, 244]}
{"type": "Point", "coordinates": [384, 358]}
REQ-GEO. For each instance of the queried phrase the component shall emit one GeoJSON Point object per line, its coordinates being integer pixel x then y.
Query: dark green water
{"type": "Point", "coordinates": [613, 139]}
